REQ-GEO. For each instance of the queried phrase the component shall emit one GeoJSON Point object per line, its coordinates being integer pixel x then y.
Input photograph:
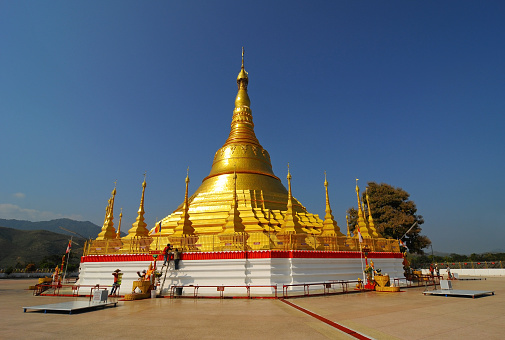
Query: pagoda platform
{"type": "Point", "coordinates": [240, 268]}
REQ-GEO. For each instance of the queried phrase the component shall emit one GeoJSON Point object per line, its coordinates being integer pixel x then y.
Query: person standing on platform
{"type": "Point", "coordinates": [56, 276]}
{"type": "Point", "coordinates": [177, 258]}
{"type": "Point", "coordinates": [437, 270]}
{"type": "Point", "coordinates": [449, 275]}
{"type": "Point", "coordinates": [117, 282]}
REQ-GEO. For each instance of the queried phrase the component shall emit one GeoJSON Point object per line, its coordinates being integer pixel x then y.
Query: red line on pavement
{"type": "Point", "coordinates": [329, 322]}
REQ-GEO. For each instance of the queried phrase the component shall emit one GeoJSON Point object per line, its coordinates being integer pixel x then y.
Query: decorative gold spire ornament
{"type": "Point", "coordinates": [291, 224]}
{"type": "Point", "coordinates": [361, 219]}
{"type": "Point", "coordinates": [183, 236]}
{"type": "Point", "coordinates": [118, 234]}
{"type": "Point", "coordinates": [330, 226]}
{"type": "Point", "coordinates": [108, 231]}
{"type": "Point", "coordinates": [331, 238]}
{"type": "Point", "coordinates": [233, 236]}
{"type": "Point", "coordinates": [139, 227]}
{"type": "Point", "coordinates": [371, 224]}
{"type": "Point", "coordinates": [234, 222]}
{"type": "Point", "coordinates": [184, 226]}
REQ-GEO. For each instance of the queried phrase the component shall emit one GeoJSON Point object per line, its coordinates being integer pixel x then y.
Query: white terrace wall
{"type": "Point", "coordinates": [239, 272]}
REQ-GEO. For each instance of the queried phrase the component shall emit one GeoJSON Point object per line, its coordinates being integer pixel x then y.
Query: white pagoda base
{"type": "Point", "coordinates": [252, 268]}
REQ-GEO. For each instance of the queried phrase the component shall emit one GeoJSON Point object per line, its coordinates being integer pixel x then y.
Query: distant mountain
{"type": "Point", "coordinates": [497, 250]}
{"type": "Point", "coordinates": [86, 229]}
{"type": "Point", "coordinates": [33, 246]}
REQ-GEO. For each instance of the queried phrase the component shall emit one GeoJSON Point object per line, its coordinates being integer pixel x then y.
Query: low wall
{"type": "Point", "coordinates": [472, 272]}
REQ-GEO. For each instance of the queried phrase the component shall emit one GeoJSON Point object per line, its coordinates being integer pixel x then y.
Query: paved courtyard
{"type": "Point", "coordinates": [405, 315]}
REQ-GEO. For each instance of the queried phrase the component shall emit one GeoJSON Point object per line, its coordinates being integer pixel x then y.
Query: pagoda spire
{"type": "Point", "coordinates": [330, 227]}
{"type": "Point", "coordinates": [243, 153]}
{"type": "Point", "coordinates": [118, 234]}
{"type": "Point", "coordinates": [347, 221]}
{"type": "Point", "coordinates": [139, 227]}
{"type": "Point", "coordinates": [233, 222]}
{"type": "Point", "coordinates": [371, 223]}
{"type": "Point", "coordinates": [242, 126]}
{"type": "Point", "coordinates": [361, 219]}
{"type": "Point", "coordinates": [108, 231]}
{"type": "Point", "coordinates": [184, 225]}
{"type": "Point", "coordinates": [290, 224]}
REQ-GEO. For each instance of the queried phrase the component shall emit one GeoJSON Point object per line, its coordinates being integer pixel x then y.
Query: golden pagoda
{"type": "Point", "coordinates": [241, 205]}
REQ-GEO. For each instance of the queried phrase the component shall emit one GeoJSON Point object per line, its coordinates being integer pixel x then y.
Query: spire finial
{"type": "Point", "coordinates": [371, 223]}
{"type": "Point", "coordinates": [108, 230]}
{"type": "Point", "coordinates": [186, 193]}
{"type": "Point", "coordinates": [242, 57]}
{"type": "Point", "coordinates": [363, 227]}
{"type": "Point", "coordinates": [118, 234]}
{"type": "Point", "coordinates": [289, 186]}
{"type": "Point", "coordinates": [184, 225]}
{"type": "Point", "coordinates": [357, 193]}
{"type": "Point", "coordinates": [139, 227]}
{"type": "Point", "coordinates": [330, 226]}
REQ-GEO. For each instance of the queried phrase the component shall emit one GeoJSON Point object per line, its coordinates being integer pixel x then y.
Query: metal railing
{"type": "Point", "coordinates": [55, 289]}
{"type": "Point", "coordinates": [221, 290]}
{"type": "Point", "coordinates": [239, 242]}
{"type": "Point", "coordinates": [321, 288]}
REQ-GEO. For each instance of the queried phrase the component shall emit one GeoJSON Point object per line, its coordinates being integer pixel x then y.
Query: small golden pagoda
{"type": "Point", "coordinates": [108, 231]}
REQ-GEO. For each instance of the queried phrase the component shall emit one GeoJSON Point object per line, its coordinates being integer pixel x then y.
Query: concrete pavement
{"type": "Point", "coordinates": [405, 315]}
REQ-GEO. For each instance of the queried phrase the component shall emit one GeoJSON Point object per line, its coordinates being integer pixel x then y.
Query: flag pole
{"type": "Point", "coordinates": [409, 230]}
{"type": "Point", "coordinates": [360, 240]}
{"type": "Point", "coordinates": [68, 258]}
{"type": "Point", "coordinates": [362, 269]}
{"type": "Point", "coordinates": [159, 233]}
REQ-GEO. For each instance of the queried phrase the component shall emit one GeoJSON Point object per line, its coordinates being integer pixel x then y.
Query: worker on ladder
{"type": "Point", "coordinates": [167, 255]}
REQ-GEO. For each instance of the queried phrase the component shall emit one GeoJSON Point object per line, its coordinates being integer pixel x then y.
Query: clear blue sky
{"type": "Point", "coordinates": [409, 93]}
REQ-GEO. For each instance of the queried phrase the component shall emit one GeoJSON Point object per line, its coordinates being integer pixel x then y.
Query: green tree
{"type": "Point", "coordinates": [393, 214]}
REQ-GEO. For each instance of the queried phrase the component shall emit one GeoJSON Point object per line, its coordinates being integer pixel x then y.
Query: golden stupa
{"type": "Point", "coordinates": [240, 205]}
